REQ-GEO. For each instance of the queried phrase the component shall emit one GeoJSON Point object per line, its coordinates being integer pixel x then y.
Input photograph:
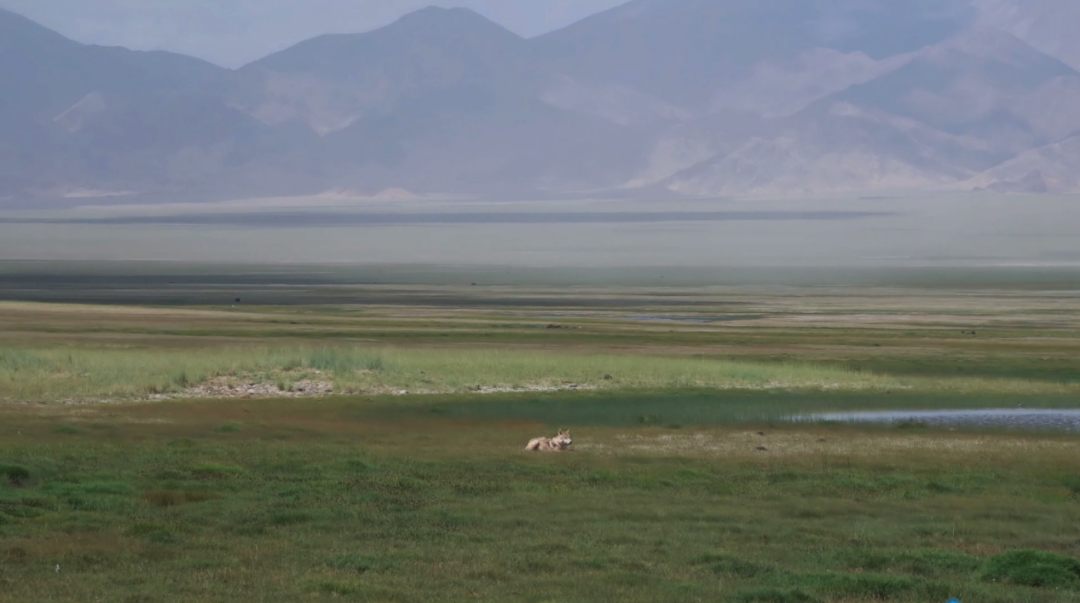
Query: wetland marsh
{"type": "Point", "coordinates": [356, 434]}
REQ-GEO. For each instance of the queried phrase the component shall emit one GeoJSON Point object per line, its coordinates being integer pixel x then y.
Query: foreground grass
{"type": "Point", "coordinates": [680, 488]}
{"type": "Point", "coordinates": [79, 374]}
{"type": "Point", "coordinates": [306, 500]}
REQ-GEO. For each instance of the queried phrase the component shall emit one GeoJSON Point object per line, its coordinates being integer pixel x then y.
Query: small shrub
{"type": "Point", "coordinates": [1033, 568]}
{"type": "Point", "coordinates": [229, 428]}
{"type": "Point", "coordinates": [17, 475]}
{"type": "Point", "coordinates": [67, 430]}
{"type": "Point", "coordinates": [4, 519]}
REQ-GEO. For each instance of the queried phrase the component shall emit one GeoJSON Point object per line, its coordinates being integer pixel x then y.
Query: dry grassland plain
{"type": "Point", "coordinates": [354, 440]}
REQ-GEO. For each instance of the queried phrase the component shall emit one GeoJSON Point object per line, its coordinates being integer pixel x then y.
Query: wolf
{"type": "Point", "coordinates": [558, 443]}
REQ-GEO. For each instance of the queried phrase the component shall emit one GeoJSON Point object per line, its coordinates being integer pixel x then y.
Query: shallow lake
{"type": "Point", "coordinates": [1017, 418]}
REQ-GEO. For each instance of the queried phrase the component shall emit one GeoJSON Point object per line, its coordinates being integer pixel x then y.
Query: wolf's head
{"type": "Point", "coordinates": [563, 440]}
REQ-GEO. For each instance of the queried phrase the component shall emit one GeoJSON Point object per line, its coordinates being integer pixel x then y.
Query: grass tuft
{"type": "Point", "coordinates": [1034, 568]}
{"type": "Point", "coordinates": [16, 475]}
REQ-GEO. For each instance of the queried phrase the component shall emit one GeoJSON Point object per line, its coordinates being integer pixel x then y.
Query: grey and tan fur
{"type": "Point", "coordinates": [558, 443]}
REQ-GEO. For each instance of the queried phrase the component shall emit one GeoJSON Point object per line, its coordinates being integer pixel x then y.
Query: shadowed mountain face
{"type": "Point", "coordinates": [698, 97]}
{"type": "Point", "coordinates": [689, 51]}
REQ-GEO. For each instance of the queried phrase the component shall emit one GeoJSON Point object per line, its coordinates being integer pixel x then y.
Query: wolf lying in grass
{"type": "Point", "coordinates": [556, 444]}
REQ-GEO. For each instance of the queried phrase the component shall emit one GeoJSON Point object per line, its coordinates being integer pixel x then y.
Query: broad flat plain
{"type": "Point", "coordinates": [160, 441]}
{"type": "Point", "coordinates": [931, 231]}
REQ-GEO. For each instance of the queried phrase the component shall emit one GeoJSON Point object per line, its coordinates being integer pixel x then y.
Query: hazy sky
{"type": "Point", "coordinates": [234, 32]}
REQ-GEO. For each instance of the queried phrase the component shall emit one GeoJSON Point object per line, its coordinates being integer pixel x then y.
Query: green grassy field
{"type": "Point", "coordinates": [321, 500]}
{"type": "Point", "coordinates": [135, 460]}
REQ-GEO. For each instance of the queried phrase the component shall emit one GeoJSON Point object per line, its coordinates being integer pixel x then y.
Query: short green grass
{"type": "Point", "coordinates": [685, 484]}
{"type": "Point", "coordinates": [328, 501]}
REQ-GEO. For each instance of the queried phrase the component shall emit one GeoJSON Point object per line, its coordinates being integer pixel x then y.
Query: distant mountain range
{"type": "Point", "coordinates": [656, 97]}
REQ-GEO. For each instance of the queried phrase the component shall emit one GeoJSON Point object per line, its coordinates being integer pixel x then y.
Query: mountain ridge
{"type": "Point", "coordinates": [680, 97]}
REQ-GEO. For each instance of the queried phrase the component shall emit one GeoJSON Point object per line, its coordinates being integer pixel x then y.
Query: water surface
{"type": "Point", "coordinates": [1017, 418]}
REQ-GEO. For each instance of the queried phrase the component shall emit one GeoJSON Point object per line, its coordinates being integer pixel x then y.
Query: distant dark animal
{"type": "Point", "coordinates": [608, 377]}
{"type": "Point", "coordinates": [554, 326]}
{"type": "Point", "coordinates": [761, 433]}
{"type": "Point", "coordinates": [238, 300]}
{"type": "Point", "coordinates": [761, 449]}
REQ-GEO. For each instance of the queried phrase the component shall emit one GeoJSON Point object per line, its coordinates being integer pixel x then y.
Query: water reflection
{"type": "Point", "coordinates": [1017, 418]}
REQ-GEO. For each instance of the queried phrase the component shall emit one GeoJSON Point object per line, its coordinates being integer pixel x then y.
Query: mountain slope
{"type": "Point", "coordinates": [44, 73]}
{"type": "Point", "coordinates": [331, 81]}
{"type": "Point", "coordinates": [686, 51]}
{"type": "Point", "coordinates": [1049, 169]}
{"type": "Point", "coordinates": [76, 117]}
{"type": "Point", "coordinates": [700, 97]}
{"type": "Point", "coordinates": [951, 110]}
{"type": "Point", "coordinates": [1047, 25]}
{"type": "Point", "coordinates": [444, 100]}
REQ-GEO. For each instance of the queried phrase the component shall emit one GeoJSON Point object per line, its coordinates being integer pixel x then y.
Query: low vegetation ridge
{"type": "Point", "coordinates": [88, 376]}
